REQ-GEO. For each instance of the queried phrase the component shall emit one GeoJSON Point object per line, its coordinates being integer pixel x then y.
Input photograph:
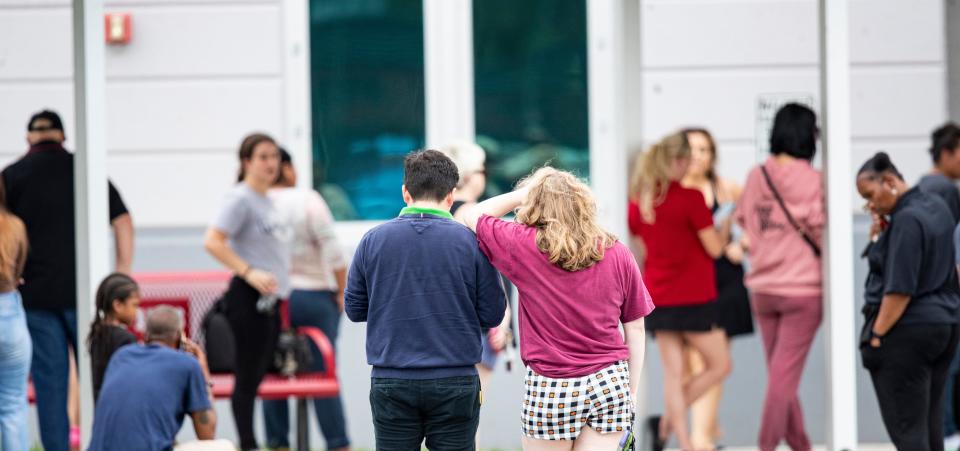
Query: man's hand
{"type": "Point", "coordinates": [340, 300]}
{"type": "Point", "coordinates": [262, 281]}
{"type": "Point", "coordinates": [192, 348]}
{"type": "Point", "coordinates": [877, 226]}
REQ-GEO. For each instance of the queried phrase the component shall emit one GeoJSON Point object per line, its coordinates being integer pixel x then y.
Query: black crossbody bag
{"type": "Point", "coordinates": [793, 222]}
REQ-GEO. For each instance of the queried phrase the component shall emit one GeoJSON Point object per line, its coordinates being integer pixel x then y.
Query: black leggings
{"type": "Point", "coordinates": [255, 335]}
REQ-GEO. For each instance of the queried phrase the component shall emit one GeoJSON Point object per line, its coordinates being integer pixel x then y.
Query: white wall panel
{"type": "Point", "coordinates": [952, 18]}
{"type": "Point", "coordinates": [728, 33]}
{"type": "Point", "coordinates": [895, 31]}
{"type": "Point", "coordinates": [911, 156]}
{"type": "Point", "coordinates": [203, 114]}
{"type": "Point", "coordinates": [725, 101]}
{"type": "Point", "coordinates": [897, 101]}
{"type": "Point", "coordinates": [35, 4]}
{"type": "Point", "coordinates": [124, 3]}
{"type": "Point", "coordinates": [735, 160]}
{"type": "Point", "coordinates": [706, 62]}
{"type": "Point", "coordinates": [197, 76]}
{"type": "Point", "coordinates": [6, 158]}
{"type": "Point", "coordinates": [177, 189]}
{"type": "Point", "coordinates": [35, 43]}
{"type": "Point", "coordinates": [207, 40]}
{"type": "Point", "coordinates": [18, 101]}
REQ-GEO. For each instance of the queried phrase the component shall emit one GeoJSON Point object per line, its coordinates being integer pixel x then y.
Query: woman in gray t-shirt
{"type": "Point", "coordinates": [247, 238]}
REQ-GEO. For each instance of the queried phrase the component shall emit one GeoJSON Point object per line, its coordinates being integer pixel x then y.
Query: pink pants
{"type": "Point", "coordinates": [788, 326]}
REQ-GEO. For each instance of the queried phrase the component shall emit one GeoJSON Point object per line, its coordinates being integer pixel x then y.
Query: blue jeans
{"type": "Point", "coordinates": [52, 332]}
{"type": "Point", "coordinates": [14, 365]}
{"type": "Point", "coordinates": [317, 309]}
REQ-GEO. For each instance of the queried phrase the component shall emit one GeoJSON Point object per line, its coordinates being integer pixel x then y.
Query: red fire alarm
{"type": "Point", "coordinates": [118, 29]}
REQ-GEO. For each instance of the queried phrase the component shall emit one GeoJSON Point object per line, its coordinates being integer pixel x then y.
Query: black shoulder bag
{"type": "Point", "coordinates": [292, 355]}
{"type": "Point", "coordinates": [218, 339]}
{"type": "Point", "coordinates": [793, 222]}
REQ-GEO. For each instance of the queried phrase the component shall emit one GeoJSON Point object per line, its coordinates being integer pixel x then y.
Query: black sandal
{"type": "Point", "coordinates": [652, 432]}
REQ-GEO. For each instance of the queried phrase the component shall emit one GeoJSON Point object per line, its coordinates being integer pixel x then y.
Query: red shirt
{"type": "Point", "coordinates": [678, 270]}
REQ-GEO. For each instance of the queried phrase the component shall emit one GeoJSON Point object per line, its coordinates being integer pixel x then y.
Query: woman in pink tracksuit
{"type": "Point", "coordinates": [783, 214]}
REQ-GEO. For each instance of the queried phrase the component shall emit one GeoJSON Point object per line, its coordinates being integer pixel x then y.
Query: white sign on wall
{"type": "Point", "coordinates": [767, 107]}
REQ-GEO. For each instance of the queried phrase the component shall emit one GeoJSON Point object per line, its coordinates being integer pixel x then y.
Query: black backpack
{"type": "Point", "coordinates": [218, 340]}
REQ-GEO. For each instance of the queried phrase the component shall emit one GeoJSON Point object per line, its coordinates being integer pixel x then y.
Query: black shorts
{"type": "Point", "coordinates": [683, 318]}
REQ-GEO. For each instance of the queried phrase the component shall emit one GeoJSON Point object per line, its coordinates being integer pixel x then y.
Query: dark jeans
{"type": "Point", "coordinates": [255, 335]}
{"type": "Point", "coordinates": [52, 331]}
{"type": "Point", "coordinates": [950, 397]}
{"type": "Point", "coordinates": [444, 411]}
{"type": "Point", "coordinates": [909, 371]}
{"type": "Point", "coordinates": [317, 309]}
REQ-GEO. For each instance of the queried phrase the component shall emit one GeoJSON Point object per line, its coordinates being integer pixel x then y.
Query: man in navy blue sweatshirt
{"type": "Point", "coordinates": [427, 294]}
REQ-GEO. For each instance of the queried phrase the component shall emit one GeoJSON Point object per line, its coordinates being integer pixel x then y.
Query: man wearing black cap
{"type": "Point", "coordinates": [39, 189]}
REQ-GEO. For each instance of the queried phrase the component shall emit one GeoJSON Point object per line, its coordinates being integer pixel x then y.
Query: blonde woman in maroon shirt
{"type": "Point", "coordinates": [578, 285]}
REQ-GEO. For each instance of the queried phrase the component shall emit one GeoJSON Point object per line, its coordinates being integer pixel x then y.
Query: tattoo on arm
{"type": "Point", "coordinates": [203, 417]}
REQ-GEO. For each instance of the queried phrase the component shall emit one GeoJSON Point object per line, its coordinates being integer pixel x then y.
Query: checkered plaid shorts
{"type": "Point", "coordinates": [556, 409]}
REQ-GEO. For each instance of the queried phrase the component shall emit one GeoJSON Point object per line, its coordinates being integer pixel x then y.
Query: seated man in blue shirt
{"type": "Point", "coordinates": [427, 294]}
{"type": "Point", "coordinates": [148, 389]}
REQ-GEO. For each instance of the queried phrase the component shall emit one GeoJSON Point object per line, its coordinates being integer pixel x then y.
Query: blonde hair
{"type": "Point", "coordinates": [468, 157]}
{"type": "Point", "coordinates": [651, 172]}
{"type": "Point", "coordinates": [13, 249]}
{"type": "Point", "coordinates": [563, 210]}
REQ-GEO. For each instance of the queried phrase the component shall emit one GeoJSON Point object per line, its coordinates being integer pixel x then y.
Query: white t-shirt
{"type": "Point", "coordinates": [315, 252]}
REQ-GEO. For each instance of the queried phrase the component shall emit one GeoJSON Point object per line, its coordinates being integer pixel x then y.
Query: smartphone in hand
{"type": "Point", "coordinates": [183, 343]}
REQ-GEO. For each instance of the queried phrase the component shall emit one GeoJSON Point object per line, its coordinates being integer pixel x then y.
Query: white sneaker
{"type": "Point", "coordinates": [952, 443]}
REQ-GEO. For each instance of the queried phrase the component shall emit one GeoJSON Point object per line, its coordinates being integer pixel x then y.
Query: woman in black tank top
{"type": "Point", "coordinates": [733, 313]}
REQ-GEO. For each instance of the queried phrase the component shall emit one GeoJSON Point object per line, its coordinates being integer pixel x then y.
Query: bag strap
{"type": "Point", "coordinates": [793, 222]}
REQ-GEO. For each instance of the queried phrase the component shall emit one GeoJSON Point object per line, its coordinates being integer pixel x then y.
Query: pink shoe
{"type": "Point", "coordinates": [74, 437]}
